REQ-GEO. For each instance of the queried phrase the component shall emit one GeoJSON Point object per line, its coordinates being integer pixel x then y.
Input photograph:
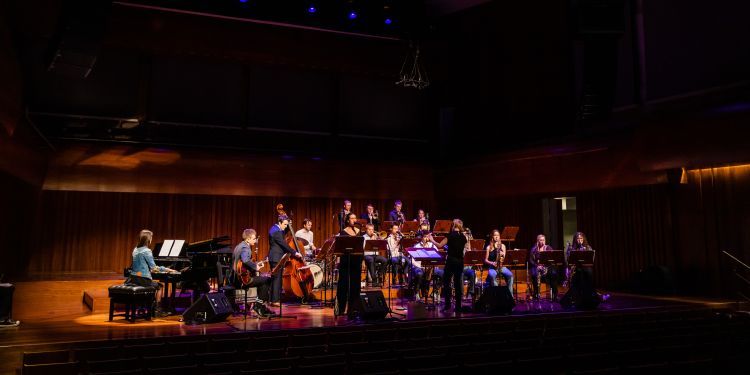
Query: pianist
{"type": "Point", "coordinates": [143, 262]}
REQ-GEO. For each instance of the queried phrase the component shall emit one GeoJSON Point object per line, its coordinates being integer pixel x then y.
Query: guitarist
{"type": "Point", "coordinates": [245, 272]}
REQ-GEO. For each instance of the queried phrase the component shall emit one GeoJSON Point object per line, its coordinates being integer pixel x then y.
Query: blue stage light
{"type": "Point", "coordinates": [388, 21]}
{"type": "Point", "coordinates": [352, 15]}
{"type": "Point", "coordinates": [312, 9]}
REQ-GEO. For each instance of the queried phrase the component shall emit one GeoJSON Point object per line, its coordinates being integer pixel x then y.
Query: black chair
{"type": "Point", "coordinates": [134, 298]}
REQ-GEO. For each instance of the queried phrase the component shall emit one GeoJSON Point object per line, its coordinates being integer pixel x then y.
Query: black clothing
{"type": "Point", "coordinates": [349, 286]}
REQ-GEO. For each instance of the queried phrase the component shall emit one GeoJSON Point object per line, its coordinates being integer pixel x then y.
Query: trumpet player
{"type": "Point", "coordinates": [396, 258]}
{"type": "Point", "coordinates": [372, 217]}
{"type": "Point", "coordinates": [343, 215]}
{"type": "Point", "coordinates": [397, 214]}
{"type": "Point", "coordinates": [375, 263]}
{"type": "Point", "coordinates": [539, 271]}
{"type": "Point", "coordinates": [495, 253]}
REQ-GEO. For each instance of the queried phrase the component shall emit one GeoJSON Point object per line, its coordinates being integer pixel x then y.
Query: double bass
{"type": "Point", "coordinates": [297, 276]}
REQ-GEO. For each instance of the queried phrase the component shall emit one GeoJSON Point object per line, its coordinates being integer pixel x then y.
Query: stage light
{"type": "Point", "coordinates": [352, 15]}
{"type": "Point", "coordinates": [243, 1]}
{"type": "Point", "coordinates": [388, 21]}
{"type": "Point", "coordinates": [312, 9]}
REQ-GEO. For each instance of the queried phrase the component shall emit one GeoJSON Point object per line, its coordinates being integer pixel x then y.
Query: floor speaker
{"type": "Point", "coordinates": [372, 305]}
{"type": "Point", "coordinates": [495, 300]}
{"type": "Point", "coordinates": [210, 308]}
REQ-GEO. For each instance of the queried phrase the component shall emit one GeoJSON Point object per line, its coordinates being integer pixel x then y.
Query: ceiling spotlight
{"type": "Point", "coordinates": [312, 9]}
{"type": "Point", "coordinates": [388, 21]}
{"type": "Point", "coordinates": [352, 15]}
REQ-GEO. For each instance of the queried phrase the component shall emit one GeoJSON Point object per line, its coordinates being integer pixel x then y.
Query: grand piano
{"type": "Point", "coordinates": [197, 262]}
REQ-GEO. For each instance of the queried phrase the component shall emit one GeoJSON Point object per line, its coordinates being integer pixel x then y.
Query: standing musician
{"type": "Point", "coordinates": [344, 213]}
{"type": "Point", "coordinates": [278, 247]}
{"type": "Point", "coordinates": [349, 275]}
{"type": "Point", "coordinates": [374, 272]}
{"type": "Point", "coordinates": [418, 277]}
{"type": "Point", "coordinates": [248, 277]}
{"type": "Point", "coordinates": [372, 216]}
{"type": "Point", "coordinates": [495, 253]}
{"type": "Point", "coordinates": [396, 258]}
{"type": "Point", "coordinates": [397, 214]}
{"type": "Point", "coordinates": [540, 271]}
{"type": "Point", "coordinates": [306, 233]}
{"type": "Point", "coordinates": [454, 263]}
{"type": "Point", "coordinates": [423, 219]}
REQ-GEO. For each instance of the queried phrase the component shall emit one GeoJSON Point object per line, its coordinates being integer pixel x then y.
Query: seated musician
{"type": "Point", "coordinates": [375, 263]}
{"type": "Point", "coordinates": [306, 234]}
{"type": "Point", "coordinates": [372, 216]}
{"type": "Point", "coordinates": [418, 277]}
{"type": "Point", "coordinates": [423, 219]}
{"type": "Point", "coordinates": [396, 258]}
{"type": "Point", "coordinates": [143, 262]}
{"type": "Point", "coordinates": [539, 272]}
{"type": "Point", "coordinates": [495, 253]}
{"type": "Point", "coordinates": [242, 254]}
{"type": "Point", "coordinates": [344, 214]}
{"type": "Point", "coordinates": [143, 266]}
{"type": "Point", "coordinates": [348, 287]}
{"type": "Point", "coordinates": [579, 243]}
{"type": "Point", "coordinates": [396, 214]}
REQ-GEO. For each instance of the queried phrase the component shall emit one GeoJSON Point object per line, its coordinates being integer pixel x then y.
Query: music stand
{"type": "Point", "coordinates": [280, 270]}
{"type": "Point", "coordinates": [476, 258]}
{"type": "Point", "coordinates": [476, 245]}
{"type": "Point", "coordinates": [388, 224]}
{"type": "Point", "coordinates": [428, 258]}
{"type": "Point", "coordinates": [552, 258]}
{"type": "Point", "coordinates": [582, 258]}
{"type": "Point", "coordinates": [442, 226]}
{"type": "Point", "coordinates": [361, 223]}
{"type": "Point", "coordinates": [409, 226]}
{"type": "Point", "coordinates": [324, 255]}
{"type": "Point", "coordinates": [515, 258]}
{"type": "Point", "coordinates": [348, 245]}
{"type": "Point", "coordinates": [380, 247]}
{"type": "Point", "coordinates": [508, 234]}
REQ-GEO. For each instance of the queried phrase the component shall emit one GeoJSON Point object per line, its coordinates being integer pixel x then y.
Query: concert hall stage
{"type": "Point", "coordinates": [53, 316]}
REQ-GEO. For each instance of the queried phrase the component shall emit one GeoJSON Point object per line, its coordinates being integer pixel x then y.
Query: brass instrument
{"type": "Point", "coordinates": [382, 234]}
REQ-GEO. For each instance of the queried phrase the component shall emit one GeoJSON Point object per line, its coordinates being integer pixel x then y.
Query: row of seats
{"type": "Point", "coordinates": [658, 336]}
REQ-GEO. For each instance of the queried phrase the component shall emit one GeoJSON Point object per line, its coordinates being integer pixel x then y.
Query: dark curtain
{"type": "Point", "coordinates": [629, 228]}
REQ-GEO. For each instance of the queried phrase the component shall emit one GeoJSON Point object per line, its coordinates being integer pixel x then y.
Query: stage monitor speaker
{"type": "Point", "coordinates": [372, 305]}
{"type": "Point", "coordinates": [210, 308]}
{"type": "Point", "coordinates": [495, 300]}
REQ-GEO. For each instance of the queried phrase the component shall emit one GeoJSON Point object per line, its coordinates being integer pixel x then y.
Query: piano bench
{"type": "Point", "coordinates": [133, 297]}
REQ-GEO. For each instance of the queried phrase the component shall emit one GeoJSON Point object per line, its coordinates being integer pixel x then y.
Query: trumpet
{"type": "Point", "coordinates": [382, 234]}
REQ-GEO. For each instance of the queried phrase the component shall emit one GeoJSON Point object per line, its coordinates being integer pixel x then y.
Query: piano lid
{"type": "Point", "coordinates": [209, 245]}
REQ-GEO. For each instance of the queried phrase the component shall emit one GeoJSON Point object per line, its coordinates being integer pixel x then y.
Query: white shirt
{"type": "Point", "coordinates": [393, 246]}
{"type": "Point", "coordinates": [307, 235]}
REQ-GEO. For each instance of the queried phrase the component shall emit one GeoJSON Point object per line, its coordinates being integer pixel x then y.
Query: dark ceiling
{"type": "Point", "coordinates": [248, 75]}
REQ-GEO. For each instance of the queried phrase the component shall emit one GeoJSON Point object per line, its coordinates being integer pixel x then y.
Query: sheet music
{"type": "Point", "coordinates": [164, 251]}
{"type": "Point", "coordinates": [176, 248]}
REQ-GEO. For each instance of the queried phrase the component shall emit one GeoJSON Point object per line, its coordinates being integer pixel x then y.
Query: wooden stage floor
{"type": "Point", "coordinates": [52, 315]}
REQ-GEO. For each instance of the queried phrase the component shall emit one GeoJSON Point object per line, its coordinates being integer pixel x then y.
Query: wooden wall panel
{"type": "Point", "coordinates": [96, 232]}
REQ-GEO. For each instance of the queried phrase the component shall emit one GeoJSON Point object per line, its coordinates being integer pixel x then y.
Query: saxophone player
{"type": "Point", "coordinates": [540, 271]}
{"type": "Point", "coordinates": [579, 243]}
{"type": "Point", "coordinates": [495, 253]}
